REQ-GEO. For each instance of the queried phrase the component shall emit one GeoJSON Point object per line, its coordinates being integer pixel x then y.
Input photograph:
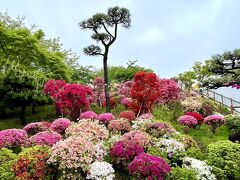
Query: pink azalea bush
{"type": "Point", "coordinates": [45, 138]}
{"type": "Point", "coordinates": [123, 152]}
{"type": "Point", "coordinates": [158, 129]}
{"type": "Point", "coordinates": [88, 115]}
{"type": "Point", "coordinates": [139, 137]}
{"type": "Point", "coordinates": [129, 115]}
{"type": "Point", "coordinates": [188, 121]}
{"type": "Point", "coordinates": [146, 116]}
{"type": "Point", "coordinates": [92, 130]}
{"type": "Point", "coordinates": [60, 125]}
{"type": "Point", "coordinates": [126, 102]}
{"type": "Point", "coordinates": [119, 126]}
{"type": "Point", "coordinates": [72, 155]}
{"type": "Point", "coordinates": [36, 127]}
{"type": "Point", "coordinates": [146, 166]}
{"type": "Point", "coordinates": [214, 121]}
{"type": "Point", "coordinates": [12, 138]}
{"type": "Point", "coordinates": [105, 118]}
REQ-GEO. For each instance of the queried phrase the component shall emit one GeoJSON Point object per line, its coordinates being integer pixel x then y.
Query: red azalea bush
{"type": "Point", "coordinates": [158, 129]}
{"type": "Point", "coordinates": [36, 127]}
{"type": "Point", "coordinates": [105, 118]}
{"type": "Point", "coordinates": [88, 115]}
{"type": "Point", "coordinates": [187, 120]}
{"type": "Point", "coordinates": [144, 92]}
{"type": "Point", "coordinates": [13, 138]}
{"type": "Point", "coordinates": [119, 126]}
{"type": "Point", "coordinates": [123, 152]}
{"type": "Point", "coordinates": [196, 115]}
{"type": "Point", "coordinates": [60, 125]}
{"type": "Point", "coordinates": [169, 90]}
{"type": "Point", "coordinates": [145, 166]}
{"type": "Point", "coordinates": [129, 115]}
{"type": "Point", "coordinates": [214, 121]}
{"type": "Point", "coordinates": [45, 138]}
{"type": "Point", "coordinates": [32, 164]}
{"type": "Point", "coordinates": [112, 102]}
{"type": "Point", "coordinates": [139, 137]}
{"type": "Point", "coordinates": [52, 87]}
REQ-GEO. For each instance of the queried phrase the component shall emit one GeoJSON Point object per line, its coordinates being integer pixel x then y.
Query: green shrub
{"type": "Point", "coordinates": [118, 109]}
{"type": "Point", "coordinates": [233, 123]}
{"type": "Point", "coordinates": [224, 156]}
{"type": "Point", "coordinates": [194, 152]}
{"type": "Point", "coordinates": [7, 159]}
{"type": "Point", "coordinates": [177, 109]}
{"type": "Point", "coordinates": [178, 173]}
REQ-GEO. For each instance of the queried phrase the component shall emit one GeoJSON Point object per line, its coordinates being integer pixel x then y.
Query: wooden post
{"type": "Point", "coordinates": [214, 95]}
{"type": "Point", "coordinates": [231, 106]}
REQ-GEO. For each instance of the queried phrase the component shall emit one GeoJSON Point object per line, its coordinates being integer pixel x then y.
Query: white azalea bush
{"type": "Point", "coordinates": [140, 124]}
{"type": "Point", "coordinates": [100, 171]}
{"type": "Point", "coordinates": [204, 172]}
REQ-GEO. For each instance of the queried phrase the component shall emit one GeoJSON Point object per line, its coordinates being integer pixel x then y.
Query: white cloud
{"type": "Point", "coordinates": [154, 35]}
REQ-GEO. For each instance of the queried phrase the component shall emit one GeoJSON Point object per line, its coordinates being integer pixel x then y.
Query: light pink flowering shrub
{"type": "Point", "coordinates": [72, 156]}
{"type": "Point", "coordinates": [158, 129]}
{"type": "Point", "coordinates": [126, 102]}
{"type": "Point", "coordinates": [105, 118]}
{"type": "Point", "coordinates": [187, 120]}
{"type": "Point", "coordinates": [92, 130]}
{"type": "Point", "coordinates": [60, 125]}
{"type": "Point", "coordinates": [129, 115]}
{"type": "Point", "coordinates": [191, 101]}
{"type": "Point", "coordinates": [120, 125]}
{"type": "Point", "coordinates": [214, 121]}
{"type": "Point", "coordinates": [146, 116]}
{"type": "Point", "coordinates": [36, 127]}
{"type": "Point", "coordinates": [88, 115]}
{"type": "Point", "coordinates": [139, 137]}
{"type": "Point", "coordinates": [12, 138]}
{"type": "Point", "coordinates": [45, 138]}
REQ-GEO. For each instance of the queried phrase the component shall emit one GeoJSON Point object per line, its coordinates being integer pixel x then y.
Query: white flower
{"type": "Point", "coordinates": [200, 167]}
{"type": "Point", "coordinates": [140, 123]}
{"type": "Point", "coordinates": [100, 171]}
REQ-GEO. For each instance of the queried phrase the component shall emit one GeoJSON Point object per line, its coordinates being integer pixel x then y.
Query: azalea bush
{"type": "Point", "coordinates": [126, 102]}
{"type": "Point", "coordinates": [145, 166]}
{"type": "Point", "coordinates": [45, 138]}
{"type": "Point", "coordinates": [119, 126]}
{"type": "Point", "coordinates": [52, 87]}
{"type": "Point", "coordinates": [188, 121]}
{"type": "Point", "coordinates": [158, 129]}
{"type": "Point", "coordinates": [13, 138]}
{"type": "Point", "coordinates": [60, 125]}
{"type": "Point", "coordinates": [192, 101]}
{"type": "Point", "coordinates": [88, 115]}
{"type": "Point", "coordinates": [140, 123]}
{"type": "Point", "coordinates": [146, 116]}
{"type": "Point", "coordinates": [129, 115]}
{"type": "Point", "coordinates": [196, 115]}
{"type": "Point", "coordinates": [214, 121]}
{"type": "Point", "coordinates": [105, 118]}
{"type": "Point", "coordinates": [36, 127]}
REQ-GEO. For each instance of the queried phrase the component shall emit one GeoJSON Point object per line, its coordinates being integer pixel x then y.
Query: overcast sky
{"type": "Point", "coordinates": [166, 35]}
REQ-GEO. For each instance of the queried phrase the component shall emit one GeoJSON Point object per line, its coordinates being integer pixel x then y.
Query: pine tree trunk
{"type": "Point", "coordinates": [106, 90]}
{"type": "Point", "coordinates": [22, 114]}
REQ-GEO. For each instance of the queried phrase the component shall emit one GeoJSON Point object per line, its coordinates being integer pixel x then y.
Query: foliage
{"type": "Point", "coordinates": [32, 163]}
{"type": "Point", "coordinates": [181, 174]}
{"type": "Point", "coordinates": [214, 121]}
{"type": "Point", "coordinates": [233, 122]}
{"type": "Point", "coordinates": [36, 127]}
{"type": "Point", "coordinates": [7, 159]}
{"type": "Point", "coordinates": [60, 125]}
{"type": "Point", "coordinates": [194, 152]}
{"type": "Point", "coordinates": [224, 156]}
{"type": "Point", "coordinates": [88, 115]}
{"type": "Point", "coordinates": [186, 79]}
{"type": "Point", "coordinates": [119, 126]}
{"type": "Point", "coordinates": [83, 74]}
{"type": "Point", "coordinates": [144, 92]}
{"type": "Point", "coordinates": [145, 166]}
{"type": "Point", "coordinates": [129, 115]}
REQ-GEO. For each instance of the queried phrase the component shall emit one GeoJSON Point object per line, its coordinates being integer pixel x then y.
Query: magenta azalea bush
{"type": "Point", "coordinates": [123, 152]}
{"type": "Point", "coordinates": [105, 118]}
{"type": "Point", "coordinates": [187, 120]}
{"type": "Point", "coordinates": [139, 137]}
{"type": "Point", "coordinates": [88, 115]}
{"type": "Point", "coordinates": [45, 138]}
{"type": "Point", "coordinates": [36, 127]}
{"type": "Point", "coordinates": [158, 129]}
{"type": "Point", "coordinates": [12, 138]}
{"type": "Point", "coordinates": [214, 121]}
{"type": "Point", "coordinates": [126, 102]}
{"type": "Point", "coordinates": [119, 126]}
{"type": "Point", "coordinates": [145, 166]}
{"type": "Point", "coordinates": [60, 125]}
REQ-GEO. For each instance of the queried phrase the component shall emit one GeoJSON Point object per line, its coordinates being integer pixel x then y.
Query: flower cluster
{"type": "Point", "coordinates": [45, 138]}
{"type": "Point", "coordinates": [36, 127]}
{"type": "Point", "coordinates": [72, 155]}
{"type": "Point", "coordinates": [139, 137]}
{"type": "Point", "coordinates": [52, 87]}
{"type": "Point", "coordinates": [60, 125]}
{"type": "Point", "coordinates": [158, 129]}
{"type": "Point", "coordinates": [140, 124]}
{"type": "Point", "coordinates": [120, 125]}
{"type": "Point", "coordinates": [187, 120]}
{"type": "Point", "coordinates": [200, 167]}
{"type": "Point", "coordinates": [12, 138]}
{"type": "Point", "coordinates": [126, 102]}
{"type": "Point", "coordinates": [146, 116]}
{"type": "Point", "coordinates": [123, 152]}
{"type": "Point", "coordinates": [100, 171]}
{"type": "Point", "coordinates": [196, 115]}
{"type": "Point", "coordinates": [215, 121]}
{"type": "Point", "coordinates": [92, 130]}
{"type": "Point", "coordinates": [171, 146]}
{"type": "Point", "coordinates": [125, 89]}
{"type": "Point", "coordinates": [192, 101]}
{"type": "Point", "coordinates": [88, 115]}
{"type": "Point", "coordinates": [105, 118]}
{"type": "Point", "coordinates": [145, 166]}
{"type": "Point", "coordinates": [129, 115]}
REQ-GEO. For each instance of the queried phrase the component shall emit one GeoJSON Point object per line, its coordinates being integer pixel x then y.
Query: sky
{"type": "Point", "coordinates": [167, 36]}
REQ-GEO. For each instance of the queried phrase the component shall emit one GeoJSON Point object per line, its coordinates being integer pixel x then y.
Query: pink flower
{"type": "Point", "coordinates": [105, 118]}
{"type": "Point", "coordinates": [120, 125]}
{"type": "Point", "coordinates": [34, 128]}
{"type": "Point", "coordinates": [146, 116]}
{"type": "Point", "coordinates": [139, 137]}
{"type": "Point", "coordinates": [214, 119]}
{"type": "Point", "coordinates": [60, 125]}
{"type": "Point", "coordinates": [88, 115]}
{"type": "Point", "coordinates": [158, 129]}
{"type": "Point", "coordinates": [187, 120]}
{"type": "Point", "coordinates": [129, 115]}
{"type": "Point", "coordinates": [45, 138]}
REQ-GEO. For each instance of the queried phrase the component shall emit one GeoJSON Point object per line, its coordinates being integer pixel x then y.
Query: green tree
{"type": "Point", "coordinates": [101, 24]}
{"type": "Point", "coordinates": [187, 79]}
{"type": "Point", "coordinates": [83, 74]}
